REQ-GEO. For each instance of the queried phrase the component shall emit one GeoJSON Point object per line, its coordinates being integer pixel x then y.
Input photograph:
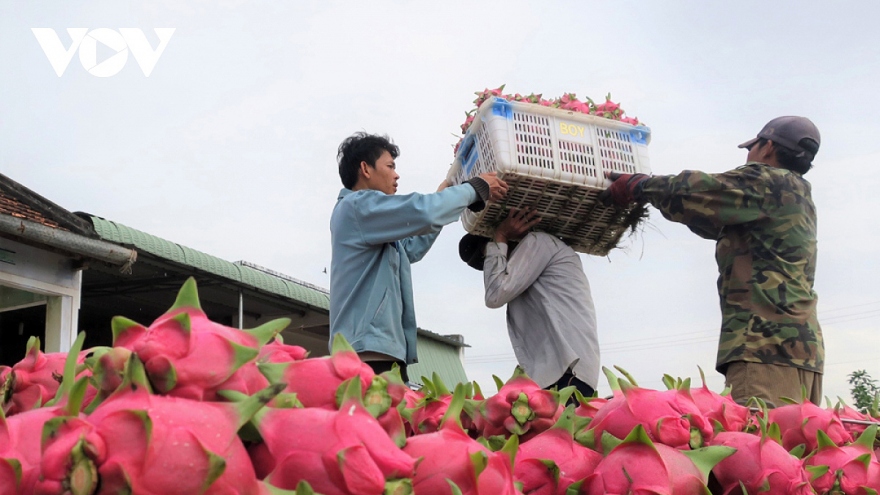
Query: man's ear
{"type": "Point", "coordinates": [366, 170]}
{"type": "Point", "coordinates": [768, 153]}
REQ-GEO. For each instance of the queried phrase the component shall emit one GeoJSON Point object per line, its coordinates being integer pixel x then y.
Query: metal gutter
{"type": "Point", "coordinates": [69, 241]}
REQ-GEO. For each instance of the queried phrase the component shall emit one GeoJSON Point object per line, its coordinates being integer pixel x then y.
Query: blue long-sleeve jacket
{"type": "Point", "coordinates": [375, 237]}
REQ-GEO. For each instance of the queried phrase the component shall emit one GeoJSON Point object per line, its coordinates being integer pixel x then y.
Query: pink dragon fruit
{"type": "Point", "coordinates": [520, 407]}
{"type": "Point", "coordinates": [316, 380]}
{"type": "Point", "coordinates": [137, 442]}
{"type": "Point", "coordinates": [551, 461]}
{"type": "Point", "coordinates": [800, 422]}
{"type": "Point", "coordinates": [589, 406]}
{"type": "Point", "coordinates": [21, 435]}
{"type": "Point", "coordinates": [338, 452]}
{"type": "Point", "coordinates": [187, 355]}
{"type": "Point", "coordinates": [249, 379]}
{"type": "Point", "coordinates": [850, 470]}
{"type": "Point", "coordinates": [469, 119]}
{"type": "Point", "coordinates": [857, 427]}
{"type": "Point", "coordinates": [385, 400]}
{"type": "Point", "coordinates": [426, 415]}
{"type": "Point", "coordinates": [454, 463]}
{"type": "Point", "coordinates": [487, 93]}
{"type": "Point", "coordinates": [34, 380]}
{"type": "Point", "coordinates": [670, 417]}
{"type": "Point", "coordinates": [639, 466]}
{"type": "Point", "coordinates": [720, 409]}
{"type": "Point", "coordinates": [759, 465]}
{"type": "Point", "coordinates": [608, 109]}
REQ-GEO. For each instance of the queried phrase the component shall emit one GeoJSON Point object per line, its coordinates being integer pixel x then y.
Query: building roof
{"type": "Point", "coordinates": [453, 340]}
{"type": "Point", "coordinates": [18, 201]}
{"type": "Point", "coordinates": [437, 356]}
{"type": "Point", "coordinates": [239, 273]}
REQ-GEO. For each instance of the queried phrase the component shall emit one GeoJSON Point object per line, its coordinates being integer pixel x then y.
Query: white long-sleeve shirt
{"type": "Point", "coordinates": [550, 315]}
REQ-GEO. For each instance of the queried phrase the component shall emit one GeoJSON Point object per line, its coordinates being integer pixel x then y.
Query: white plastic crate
{"type": "Point", "coordinates": [555, 161]}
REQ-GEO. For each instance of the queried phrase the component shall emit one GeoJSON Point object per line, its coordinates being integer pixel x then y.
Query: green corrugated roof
{"type": "Point", "coordinates": [439, 356]}
{"type": "Point", "coordinates": [240, 274]}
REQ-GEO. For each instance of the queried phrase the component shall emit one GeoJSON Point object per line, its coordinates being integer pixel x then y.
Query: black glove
{"type": "Point", "coordinates": [482, 188]}
{"type": "Point", "coordinates": [623, 190]}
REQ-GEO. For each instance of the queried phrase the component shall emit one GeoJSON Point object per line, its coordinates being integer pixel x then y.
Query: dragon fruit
{"type": "Point", "coordinates": [521, 407]}
{"type": "Point", "coordinates": [454, 463]}
{"type": "Point", "coordinates": [249, 379]}
{"type": "Point", "coordinates": [425, 416]}
{"type": "Point", "coordinates": [759, 465]}
{"type": "Point", "coordinates": [34, 380]}
{"type": "Point", "coordinates": [720, 409]}
{"type": "Point", "coordinates": [670, 417]}
{"type": "Point", "coordinates": [338, 452]}
{"type": "Point", "coordinates": [385, 399]}
{"type": "Point", "coordinates": [800, 422]}
{"type": "Point", "coordinates": [851, 469]}
{"type": "Point", "coordinates": [187, 355]}
{"type": "Point", "coordinates": [484, 95]}
{"type": "Point", "coordinates": [137, 442]}
{"type": "Point", "coordinates": [846, 412]}
{"type": "Point", "coordinates": [315, 381]}
{"type": "Point", "coordinates": [551, 461]}
{"type": "Point", "coordinates": [608, 109]}
{"type": "Point", "coordinates": [639, 466]}
{"type": "Point", "coordinates": [21, 434]}
{"type": "Point", "coordinates": [588, 406]}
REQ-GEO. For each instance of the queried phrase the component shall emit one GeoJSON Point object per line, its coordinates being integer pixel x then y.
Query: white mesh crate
{"type": "Point", "coordinates": [555, 161]}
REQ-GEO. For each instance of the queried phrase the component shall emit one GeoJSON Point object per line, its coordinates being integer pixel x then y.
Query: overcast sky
{"type": "Point", "coordinates": [229, 145]}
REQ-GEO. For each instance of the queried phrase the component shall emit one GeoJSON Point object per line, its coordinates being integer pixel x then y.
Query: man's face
{"type": "Point", "coordinates": [384, 176]}
{"type": "Point", "coordinates": [759, 152]}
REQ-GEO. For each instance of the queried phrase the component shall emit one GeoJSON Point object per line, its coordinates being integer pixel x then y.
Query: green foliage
{"type": "Point", "coordinates": [863, 390]}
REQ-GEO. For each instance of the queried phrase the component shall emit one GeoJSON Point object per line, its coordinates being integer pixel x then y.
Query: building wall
{"type": "Point", "coordinates": [38, 271]}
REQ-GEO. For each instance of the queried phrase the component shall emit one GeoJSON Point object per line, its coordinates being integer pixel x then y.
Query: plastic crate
{"type": "Point", "coordinates": [555, 161]}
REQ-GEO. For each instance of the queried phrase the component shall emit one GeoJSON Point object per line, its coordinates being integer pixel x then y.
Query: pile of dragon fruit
{"type": "Point", "coordinates": [189, 406]}
{"type": "Point", "coordinates": [568, 101]}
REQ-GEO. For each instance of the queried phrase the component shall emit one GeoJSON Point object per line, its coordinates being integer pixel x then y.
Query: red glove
{"type": "Point", "coordinates": [621, 192]}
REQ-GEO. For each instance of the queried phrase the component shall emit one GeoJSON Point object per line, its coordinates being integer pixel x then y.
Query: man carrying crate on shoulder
{"type": "Point", "coordinates": [375, 235]}
{"type": "Point", "coordinates": [551, 320]}
{"type": "Point", "coordinates": [763, 220]}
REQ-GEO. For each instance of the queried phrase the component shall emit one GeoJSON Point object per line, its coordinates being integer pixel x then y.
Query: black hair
{"type": "Point", "coordinates": [361, 147]}
{"type": "Point", "coordinates": [788, 158]}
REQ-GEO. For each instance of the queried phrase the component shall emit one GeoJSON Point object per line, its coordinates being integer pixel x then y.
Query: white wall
{"type": "Point", "coordinates": [36, 270]}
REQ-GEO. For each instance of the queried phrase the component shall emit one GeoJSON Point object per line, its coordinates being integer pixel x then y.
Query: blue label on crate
{"type": "Point", "coordinates": [502, 108]}
{"type": "Point", "coordinates": [639, 135]}
{"type": "Point", "coordinates": [468, 153]}
{"type": "Point", "coordinates": [469, 160]}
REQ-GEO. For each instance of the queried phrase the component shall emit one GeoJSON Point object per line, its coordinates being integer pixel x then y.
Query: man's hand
{"type": "Point", "coordinates": [621, 192]}
{"type": "Point", "coordinates": [517, 224]}
{"type": "Point", "coordinates": [443, 185]}
{"type": "Point", "coordinates": [497, 187]}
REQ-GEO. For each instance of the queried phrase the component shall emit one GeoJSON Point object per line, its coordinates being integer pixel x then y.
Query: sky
{"type": "Point", "coordinates": [228, 146]}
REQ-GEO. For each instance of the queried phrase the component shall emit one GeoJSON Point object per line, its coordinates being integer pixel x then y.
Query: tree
{"type": "Point", "coordinates": [863, 390]}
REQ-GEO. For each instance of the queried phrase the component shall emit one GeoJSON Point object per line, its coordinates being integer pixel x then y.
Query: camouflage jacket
{"type": "Point", "coordinates": [764, 223]}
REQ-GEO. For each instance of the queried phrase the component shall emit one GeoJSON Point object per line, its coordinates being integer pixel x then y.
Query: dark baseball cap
{"type": "Point", "coordinates": [798, 134]}
{"type": "Point", "coordinates": [471, 249]}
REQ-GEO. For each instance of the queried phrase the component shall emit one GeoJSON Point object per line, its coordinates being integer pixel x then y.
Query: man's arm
{"type": "Point", "coordinates": [505, 279]}
{"type": "Point", "coordinates": [708, 202]}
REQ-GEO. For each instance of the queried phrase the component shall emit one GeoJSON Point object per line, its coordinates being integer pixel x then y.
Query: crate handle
{"type": "Point", "coordinates": [469, 154]}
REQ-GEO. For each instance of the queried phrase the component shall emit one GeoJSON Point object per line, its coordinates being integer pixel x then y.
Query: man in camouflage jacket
{"type": "Point", "coordinates": [763, 220]}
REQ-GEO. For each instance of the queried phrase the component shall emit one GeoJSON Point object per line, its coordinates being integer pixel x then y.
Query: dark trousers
{"type": "Point", "coordinates": [567, 380]}
{"type": "Point", "coordinates": [383, 366]}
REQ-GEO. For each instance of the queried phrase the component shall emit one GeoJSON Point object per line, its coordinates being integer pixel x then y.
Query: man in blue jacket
{"type": "Point", "coordinates": [375, 235]}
